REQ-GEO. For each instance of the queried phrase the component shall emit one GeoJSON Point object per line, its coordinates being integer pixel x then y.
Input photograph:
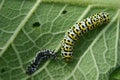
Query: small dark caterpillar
{"type": "Point", "coordinates": [41, 55]}
{"type": "Point", "coordinates": [77, 30]}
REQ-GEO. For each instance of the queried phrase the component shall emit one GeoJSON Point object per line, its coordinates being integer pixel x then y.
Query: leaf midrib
{"type": "Point", "coordinates": [20, 26]}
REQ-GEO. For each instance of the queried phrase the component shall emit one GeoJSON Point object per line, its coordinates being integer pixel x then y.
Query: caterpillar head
{"type": "Point", "coordinates": [106, 16]}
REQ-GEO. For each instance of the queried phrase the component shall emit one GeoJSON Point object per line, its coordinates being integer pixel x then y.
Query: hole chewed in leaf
{"type": "Point", "coordinates": [36, 24]}
{"type": "Point", "coordinates": [2, 70]}
{"type": "Point", "coordinates": [64, 12]}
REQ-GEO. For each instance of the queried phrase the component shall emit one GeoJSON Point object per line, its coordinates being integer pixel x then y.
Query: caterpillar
{"type": "Point", "coordinates": [77, 30]}
{"type": "Point", "coordinates": [41, 55]}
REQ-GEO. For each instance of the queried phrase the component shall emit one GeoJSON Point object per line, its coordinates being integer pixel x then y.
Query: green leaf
{"type": "Point", "coordinates": [27, 26]}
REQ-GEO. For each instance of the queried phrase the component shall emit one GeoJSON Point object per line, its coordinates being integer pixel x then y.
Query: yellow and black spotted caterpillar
{"type": "Point", "coordinates": [78, 29]}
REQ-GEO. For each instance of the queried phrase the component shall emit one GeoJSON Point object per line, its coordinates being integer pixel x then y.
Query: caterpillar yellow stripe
{"type": "Point", "coordinates": [77, 30]}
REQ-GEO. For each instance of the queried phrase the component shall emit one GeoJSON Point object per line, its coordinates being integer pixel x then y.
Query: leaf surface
{"type": "Point", "coordinates": [27, 26]}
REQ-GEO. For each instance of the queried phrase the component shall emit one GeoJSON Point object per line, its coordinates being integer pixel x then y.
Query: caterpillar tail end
{"type": "Point", "coordinates": [67, 60]}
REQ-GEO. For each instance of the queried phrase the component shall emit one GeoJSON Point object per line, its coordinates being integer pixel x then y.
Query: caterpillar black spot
{"type": "Point", "coordinates": [41, 55]}
{"type": "Point", "coordinates": [78, 29]}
